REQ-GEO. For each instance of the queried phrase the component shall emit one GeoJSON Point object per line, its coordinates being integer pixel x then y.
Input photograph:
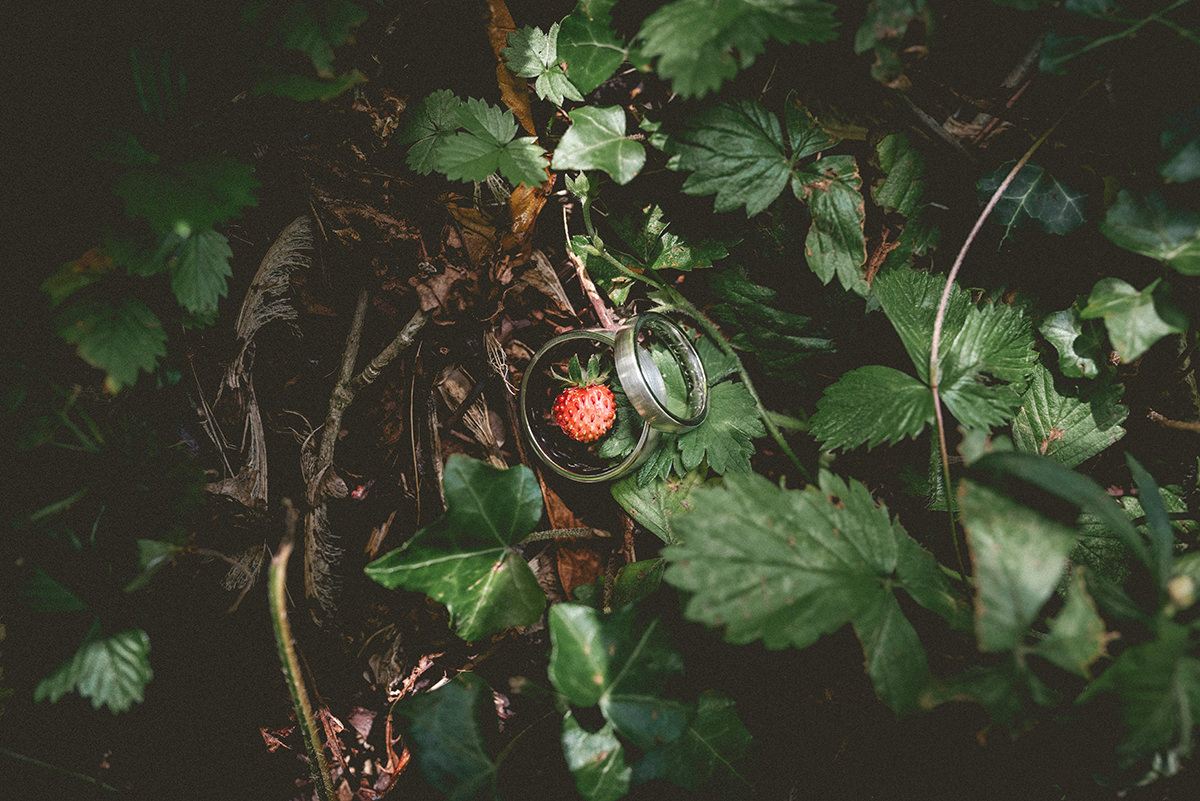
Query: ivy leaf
{"type": "Point", "coordinates": [120, 341]}
{"type": "Point", "coordinates": [698, 58]}
{"type": "Point", "coordinates": [1145, 224]}
{"type": "Point", "coordinates": [620, 664]}
{"type": "Point", "coordinates": [1067, 428]}
{"type": "Point", "coordinates": [596, 141]}
{"type": "Point", "coordinates": [183, 198]}
{"type": "Point", "coordinates": [725, 437]}
{"type": "Point", "coordinates": [588, 45]}
{"type": "Point", "coordinates": [445, 728]}
{"type": "Point", "coordinates": [1078, 349]}
{"type": "Point", "coordinates": [597, 759]}
{"type": "Point", "coordinates": [1036, 195]}
{"type": "Point", "coordinates": [430, 124]}
{"type": "Point", "coordinates": [1157, 687]}
{"type": "Point", "coordinates": [706, 750]}
{"type": "Point", "coordinates": [1135, 319]}
{"type": "Point", "coordinates": [488, 146]}
{"type": "Point", "coordinates": [112, 671]}
{"type": "Point", "coordinates": [1077, 637]}
{"type": "Point", "coordinates": [534, 54]}
{"type": "Point", "coordinates": [1019, 557]}
{"type": "Point", "coordinates": [466, 560]}
{"type": "Point", "coordinates": [872, 404]}
{"type": "Point", "coordinates": [200, 271]}
{"type": "Point", "coordinates": [835, 244]}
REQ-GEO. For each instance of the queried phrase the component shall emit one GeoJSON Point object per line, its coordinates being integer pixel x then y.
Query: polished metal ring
{"type": "Point", "coordinates": [661, 373]}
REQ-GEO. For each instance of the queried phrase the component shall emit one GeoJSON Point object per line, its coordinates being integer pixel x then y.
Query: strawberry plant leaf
{"type": "Point", "coordinates": [1078, 349]}
{"type": "Point", "coordinates": [596, 140]}
{"type": "Point", "coordinates": [111, 671]}
{"type": "Point", "coordinates": [648, 235]}
{"type": "Point", "coordinates": [466, 560]}
{"type": "Point", "coordinates": [620, 664]}
{"type": "Point", "coordinates": [200, 271]}
{"type": "Point", "coordinates": [656, 504]}
{"type": "Point", "coordinates": [1076, 636]}
{"type": "Point", "coordinates": [1036, 195]}
{"type": "Point", "coordinates": [904, 187]}
{"type": "Point", "coordinates": [704, 754]}
{"type": "Point", "coordinates": [697, 59]}
{"type": "Point", "coordinates": [1067, 427]}
{"type": "Point", "coordinates": [1145, 224]}
{"type": "Point", "coordinates": [445, 727]}
{"type": "Point", "coordinates": [835, 243]}
{"type": "Point", "coordinates": [725, 438]}
{"type": "Point", "coordinates": [1019, 557]}
{"type": "Point", "coordinates": [120, 341]}
{"type": "Point", "coordinates": [194, 196]}
{"type": "Point", "coordinates": [429, 125]}
{"type": "Point", "coordinates": [872, 404]}
{"type": "Point", "coordinates": [488, 146]}
{"type": "Point", "coordinates": [597, 759]}
{"type": "Point", "coordinates": [587, 44]}
{"type": "Point", "coordinates": [1135, 319]}
{"type": "Point", "coordinates": [532, 53]}
{"type": "Point", "coordinates": [896, 660]}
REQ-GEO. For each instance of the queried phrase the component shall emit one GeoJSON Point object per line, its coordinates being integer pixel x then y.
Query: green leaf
{"type": "Point", "coordinates": [620, 664]}
{"type": "Point", "coordinates": [1158, 530]}
{"type": "Point", "coordinates": [1078, 349]}
{"type": "Point", "coordinates": [1157, 687]}
{"type": "Point", "coordinates": [637, 580]}
{"type": "Point", "coordinates": [445, 727]}
{"type": "Point", "coordinates": [120, 341]}
{"type": "Point", "coordinates": [700, 44]}
{"type": "Point", "coordinates": [1181, 142]}
{"type": "Point", "coordinates": [112, 671]}
{"type": "Point", "coordinates": [1145, 224]}
{"type": "Point", "coordinates": [883, 31]}
{"type": "Point", "coordinates": [587, 44]}
{"type": "Point", "coordinates": [904, 187]}
{"type": "Point", "coordinates": [596, 141]}
{"type": "Point", "coordinates": [194, 196]}
{"type": "Point", "coordinates": [304, 88]}
{"type": "Point", "coordinates": [153, 555]}
{"type": "Point", "coordinates": [200, 271]}
{"type": "Point", "coordinates": [895, 658]}
{"type": "Point", "coordinates": [922, 577]}
{"type": "Point", "coordinates": [1135, 319]}
{"type": "Point", "coordinates": [1036, 195]}
{"type": "Point", "coordinates": [1019, 557]}
{"type": "Point", "coordinates": [41, 593]}
{"type": "Point", "coordinates": [466, 559]}
{"type": "Point", "coordinates": [835, 244]}
{"type": "Point", "coordinates": [873, 404]}
{"type": "Point", "coordinates": [725, 438]}
{"type": "Point", "coordinates": [648, 235]}
{"type": "Point", "coordinates": [488, 146]}
{"type": "Point", "coordinates": [597, 759]}
{"type": "Point", "coordinates": [1069, 428]}
{"type": "Point", "coordinates": [706, 751]}
{"type": "Point", "coordinates": [430, 124]}
{"type": "Point", "coordinates": [656, 504]}
{"type": "Point", "coordinates": [1077, 637]}
{"type": "Point", "coordinates": [534, 54]}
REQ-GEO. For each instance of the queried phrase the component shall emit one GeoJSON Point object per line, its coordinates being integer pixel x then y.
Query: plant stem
{"type": "Point", "coordinates": [291, 664]}
{"type": "Point", "coordinates": [19, 757]}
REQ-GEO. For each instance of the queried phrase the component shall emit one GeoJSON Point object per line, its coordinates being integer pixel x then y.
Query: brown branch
{"type": "Point", "coordinates": [1166, 422]}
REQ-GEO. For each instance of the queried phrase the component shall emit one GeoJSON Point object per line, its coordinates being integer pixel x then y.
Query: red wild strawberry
{"type": "Point", "coordinates": [585, 410]}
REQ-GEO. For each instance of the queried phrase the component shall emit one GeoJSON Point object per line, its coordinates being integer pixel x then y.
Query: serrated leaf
{"type": "Point", "coordinates": [873, 404]}
{"type": "Point", "coordinates": [429, 125]}
{"type": "Point", "coordinates": [1036, 195]}
{"type": "Point", "coordinates": [1067, 427]}
{"type": "Point", "coordinates": [120, 341]}
{"type": "Point", "coordinates": [904, 187]}
{"type": "Point", "coordinates": [587, 44]}
{"type": "Point", "coordinates": [656, 504]}
{"type": "Point", "coordinates": [597, 759]}
{"type": "Point", "coordinates": [706, 751]}
{"type": "Point", "coordinates": [111, 671]}
{"type": "Point", "coordinates": [1181, 142]}
{"type": "Point", "coordinates": [466, 560]}
{"type": "Point", "coordinates": [648, 235]}
{"type": "Point", "coordinates": [1135, 319]}
{"type": "Point", "coordinates": [194, 196]}
{"type": "Point", "coordinates": [488, 146]}
{"type": "Point", "coordinates": [1078, 349]}
{"type": "Point", "coordinates": [725, 438]}
{"type": "Point", "coordinates": [42, 593]}
{"type": "Point", "coordinates": [445, 727]}
{"type": "Point", "coordinates": [698, 58]}
{"type": "Point", "coordinates": [1018, 557]}
{"type": "Point", "coordinates": [1077, 637]}
{"type": "Point", "coordinates": [607, 660]}
{"type": "Point", "coordinates": [200, 271]}
{"type": "Point", "coordinates": [596, 140]}
{"type": "Point", "coordinates": [532, 53]}
{"type": "Point", "coordinates": [1145, 224]}
{"type": "Point", "coordinates": [835, 243]}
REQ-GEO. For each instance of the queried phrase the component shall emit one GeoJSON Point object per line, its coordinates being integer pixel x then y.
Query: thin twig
{"type": "Point", "coordinates": [589, 288]}
{"type": "Point", "coordinates": [1166, 422]}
